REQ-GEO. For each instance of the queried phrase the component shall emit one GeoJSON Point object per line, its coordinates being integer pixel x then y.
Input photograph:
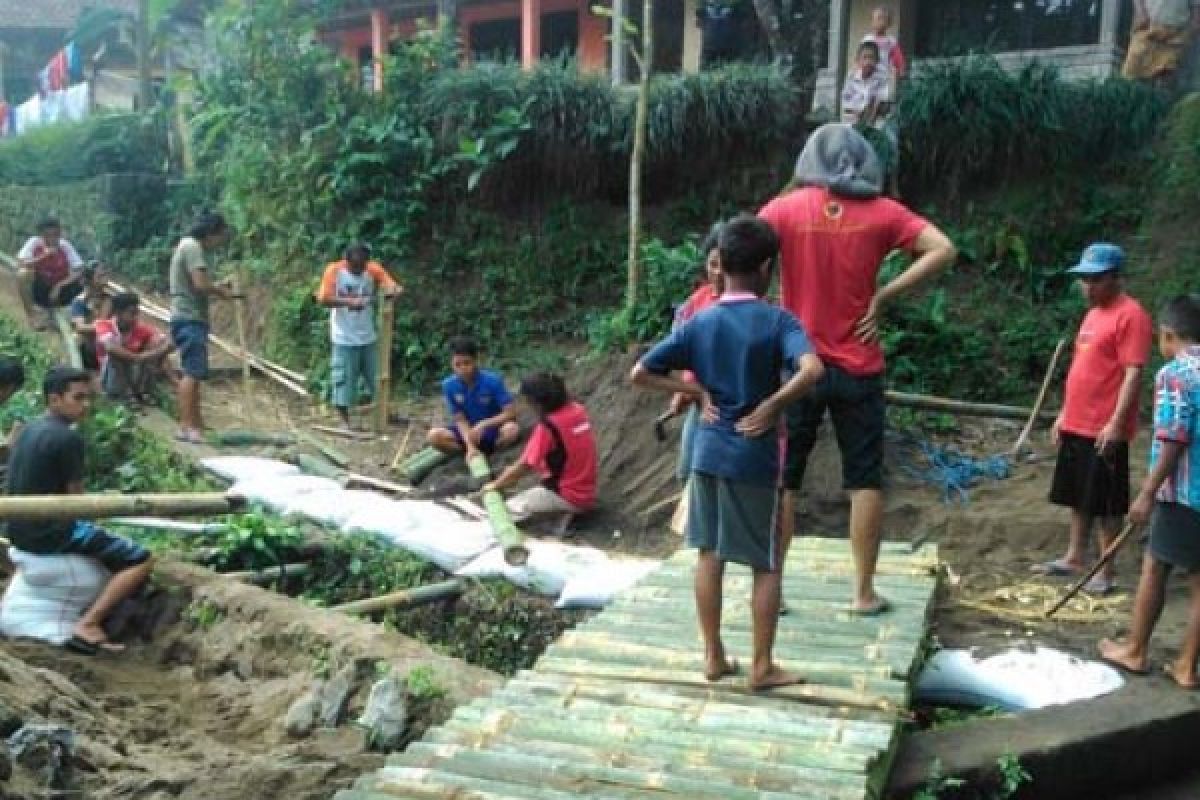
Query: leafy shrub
{"type": "Point", "coordinates": [669, 274]}
{"type": "Point", "coordinates": [970, 122]}
{"type": "Point", "coordinates": [74, 151]}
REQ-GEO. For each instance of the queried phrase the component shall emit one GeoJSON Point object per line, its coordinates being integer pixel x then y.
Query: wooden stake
{"type": "Point", "coordinates": [1041, 399]}
{"type": "Point", "coordinates": [67, 332]}
{"type": "Point", "coordinates": [402, 450]}
{"type": "Point", "coordinates": [409, 598]}
{"type": "Point", "coordinates": [97, 506]}
{"type": "Point", "coordinates": [1109, 554]}
{"type": "Point", "coordinates": [239, 316]}
{"type": "Point", "coordinates": [383, 391]}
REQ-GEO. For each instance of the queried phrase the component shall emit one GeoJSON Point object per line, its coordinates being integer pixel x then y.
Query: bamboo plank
{"type": "Point", "coordinates": [874, 630]}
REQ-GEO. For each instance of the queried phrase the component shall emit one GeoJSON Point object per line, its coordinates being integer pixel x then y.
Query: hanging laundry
{"type": "Point", "coordinates": [3, 118]}
{"type": "Point", "coordinates": [59, 77]}
{"type": "Point", "coordinates": [74, 63]}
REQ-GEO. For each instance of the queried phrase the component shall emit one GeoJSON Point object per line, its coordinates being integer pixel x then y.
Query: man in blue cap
{"type": "Point", "coordinates": [1099, 414]}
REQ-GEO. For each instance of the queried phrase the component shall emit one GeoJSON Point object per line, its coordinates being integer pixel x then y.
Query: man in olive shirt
{"type": "Point", "coordinates": [191, 288]}
{"type": "Point", "coordinates": [47, 459]}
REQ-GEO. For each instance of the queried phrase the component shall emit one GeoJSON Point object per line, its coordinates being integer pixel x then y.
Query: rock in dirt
{"type": "Point", "coordinates": [337, 693]}
{"type": "Point", "coordinates": [46, 750]}
{"type": "Point", "coordinates": [386, 715]}
{"type": "Point", "coordinates": [10, 721]}
{"type": "Point", "coordinates": [302, 716]}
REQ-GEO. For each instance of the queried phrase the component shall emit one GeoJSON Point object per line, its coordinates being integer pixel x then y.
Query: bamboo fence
{"type": "Point", "coordinates": [619, 708]}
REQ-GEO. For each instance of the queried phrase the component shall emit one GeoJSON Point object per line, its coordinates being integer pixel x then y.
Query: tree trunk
{"type": "Point", "coordinates": [143, 55]}
{"type": "Point", "coordinates": [635, 158]}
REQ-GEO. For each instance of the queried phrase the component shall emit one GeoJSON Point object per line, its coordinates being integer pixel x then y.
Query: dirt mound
{"type": "Point", "coordinates": [197, 712]}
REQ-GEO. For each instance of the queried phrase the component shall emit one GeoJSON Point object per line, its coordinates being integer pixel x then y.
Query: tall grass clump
{"type": "Point", "coordinates": [970, 122]}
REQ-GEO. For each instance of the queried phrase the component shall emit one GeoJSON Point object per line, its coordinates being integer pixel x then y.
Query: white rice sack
{"type": "Point", "coordinates": [48, 594]}
{"type": "Point", "coordinates": [596, 587]}
{"type": "Point", "coordinates": [333, 508]}
{"type": "Point", "coordinates": [1015, 680]}
{"type": "Point", "coordinates": [247, 468]}
{"type": "Point", "coordinates": [426, 530]}
{"type": "Point", "coordinates": [276, 492]}
{"type": "Point", "coordinates": [551, 564]}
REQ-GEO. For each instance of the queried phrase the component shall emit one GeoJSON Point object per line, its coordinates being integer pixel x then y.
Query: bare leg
{"type": "Point", "coordinates": [1077, 543]}
{"type": "Point", "coordinates": [90, 627]}
{"type": "Point", "coordinates": [1184, 668]}
{"type": "Point", "coordinates": [344, 414]}
{"type": "Point", "coordinates": [866, 529]}
{"type": "Point", "coordinates": [787, 522]}
{"type": "Point", "coordinates": [764, 672]}
{"type": "Point", "coordinates": [509, 433]}
{"type": "Point", "coordinates": [1147, 606]}
{"type": "Point", "coordinates": [189, 403]}
{"type": "Point", "coordinates": [25, 279]}
{"type": "Point", "coordinates": [1110, 528]}
{"type": "Point", "coordinates": [444, 440]}
{"type": "Point", "coordinates": [710, 571]}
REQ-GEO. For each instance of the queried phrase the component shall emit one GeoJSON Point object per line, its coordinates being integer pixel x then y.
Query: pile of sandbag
{"type": "Point", "coordinates": [48, 594]}
{"type": "Point", "coordinates": [580, 577]}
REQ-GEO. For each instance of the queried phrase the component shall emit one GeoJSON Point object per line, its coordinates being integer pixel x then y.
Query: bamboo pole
{"type": "Point", "coordinates": [408, 598]}
{"type": "Point", "coordinates": [270, 573]}
{"type": "Point", "coordinates": [510, 536]}
{"type": "Point", "coordinates": [402, 450]}
{"type": "Point", "coordinates": [315, 465]}
{"type": "Point", "coordinates": [67, 333]}
{"type": "Point", "coordinates": [357, 479]}
{"type": "Point", "coordinates": [387, 324]}
{"type": "Point", "coordinates": [246, 438]}
{"type": "Point", "coordinates": [923, 402]}
{"type": "Point", "coordinates": [239, 316]}
{"type": "Point", "coordinates": [97, 506]}
{"type": "Point", "coordinates": [360, 436]}
{"type": "Point", "coordinates": [155, 524]}
{"type": "Point", "coordinates": [1041, 399]}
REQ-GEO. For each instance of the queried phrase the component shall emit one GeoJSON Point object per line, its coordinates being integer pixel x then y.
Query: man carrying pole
{"type": "Point", "coordinates": [347, 288]}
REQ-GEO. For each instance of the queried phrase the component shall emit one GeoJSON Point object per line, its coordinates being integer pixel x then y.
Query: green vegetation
{"type": "Point", "coordinates": [203, 614]}
{"type": "Point", "coordinates": [362, 565]}
{"type": "Point", "coordinates": [1009, 777]}
{"type": "Point", "coordinates": [423, 685]}
{"type": "Point", "coordinates": [100, 145]}
{"type": "Point", "coordinates": [255, 541]}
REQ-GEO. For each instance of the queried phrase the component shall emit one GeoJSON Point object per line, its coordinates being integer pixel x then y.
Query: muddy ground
{"type": "Point", "coordinates": [197, 711]}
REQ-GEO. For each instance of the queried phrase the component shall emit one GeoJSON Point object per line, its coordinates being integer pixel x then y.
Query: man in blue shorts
{"type": "Point", "coordinates": [483, 415]}
{"type": "Point", "coordinates": [738, 349]}
{"type": "Point", "coordinates": [48, 459]}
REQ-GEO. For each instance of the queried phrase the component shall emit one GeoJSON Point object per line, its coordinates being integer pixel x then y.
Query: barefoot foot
{"type": "Point", "coordinates": [1184, 675]}
{"type": "Point", "coordinates": [773, 677]}
{"type": "Point", "coordinates": [1121, 656]}
{"type": "Point", "coordinates": [719, 667]}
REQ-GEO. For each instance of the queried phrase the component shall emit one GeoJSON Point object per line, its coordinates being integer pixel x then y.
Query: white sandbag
{"type": "Point", "coordinates": [276, 492]}
{"type": "Point", "coordinates": [332, 508]}
{"type": "Point", "coordinates": [547, 570]}
{"type": "Point", "coordinates": [596, 587]}
{"type": "Point", "coordinates": [247, 468]}
{"type": "Point", "coordinates": [426, 530]}
{"type": "Point", "coordinates": [48, 594]}
{"type": "Point", "coordinates": [1015, 680]}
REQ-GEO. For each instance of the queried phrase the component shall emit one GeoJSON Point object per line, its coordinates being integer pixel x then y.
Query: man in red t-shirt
{"type": "Point", "coordinates": [562, 449]}
{"type": "Point", "coordinates": [835, 229]}
{"type": "Point", "coordinates": [131, 353]}
{"type": "Point", "coordinates": [1099, 415]}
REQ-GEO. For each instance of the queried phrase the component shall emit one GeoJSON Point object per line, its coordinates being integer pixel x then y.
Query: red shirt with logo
{"type": "Point", "coordinates": [577, 477]}
{"type": "Point", "coordinates": [135, 340]}
{"type": "Point", "coordinates": [832, 249]}
{"type": "Point", "coordinates": [1110, 339]}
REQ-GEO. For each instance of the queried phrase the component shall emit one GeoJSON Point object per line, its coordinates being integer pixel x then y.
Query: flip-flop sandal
{"type": "Point", "coordinates": [189, 438]}
{"type": "Point", "coordinates": [1058, 568]}
{"type": "Point", "coordinates": [1119, 667]}
{"type": "Point", "coordinates": [1099, 586]}
{"type": "Point", "coordinates": [882, 606]}
{"type": "Point", "coordinates": [77, 644]}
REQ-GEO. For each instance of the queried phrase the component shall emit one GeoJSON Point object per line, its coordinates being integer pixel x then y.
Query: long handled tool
{"type": "Point", "coordinates": [1041, 399]}
{"type": "Point", "coordinates": [660, 424]}
{"type": "Point", "coordinates": [1109, 553]}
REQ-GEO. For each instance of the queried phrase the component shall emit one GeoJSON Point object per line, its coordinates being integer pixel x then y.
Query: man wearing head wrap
{"type": "Point", "coordinates": [1162, 30]}
{"type": "Point", "coordinates": [835, 230]}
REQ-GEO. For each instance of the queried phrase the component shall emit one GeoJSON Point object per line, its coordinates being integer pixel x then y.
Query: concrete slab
{"type": "Point", "coordinates": [1143, 735]}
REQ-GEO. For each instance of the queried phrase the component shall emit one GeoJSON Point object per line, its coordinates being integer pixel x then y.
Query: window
{"type": "Point", "coordinates": [560, 34]}
{"type": "Point", "coordinates": [496, 40]}
{"type": "Point", "coordinates": [955, 27]}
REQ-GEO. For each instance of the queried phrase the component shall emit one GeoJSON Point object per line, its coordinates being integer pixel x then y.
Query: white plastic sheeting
{"type": "Point", "coordinates": [1015, 680]}
{"type": "Point", "coordinates": [48, 594]}
{"type": "Point", "coordinates": [580, 577]}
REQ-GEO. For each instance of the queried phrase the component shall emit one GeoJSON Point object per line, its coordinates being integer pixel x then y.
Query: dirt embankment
{"type": "Point", "coordinates": [197, 712]}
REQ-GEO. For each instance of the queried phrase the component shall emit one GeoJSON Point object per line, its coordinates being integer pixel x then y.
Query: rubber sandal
{"type": "Point", "coordinates": [1099, 586]}
{"type": "Point", "coordinates": [81, 646]}
{"type": "Point", "coordinates": [189, 438]}
{"type": "Point", "coordinates": [881, 606]}
{"type": "Point", "coordinates": [1119, 667]}
{"type": "Point", "coordinates": [1058, 568]}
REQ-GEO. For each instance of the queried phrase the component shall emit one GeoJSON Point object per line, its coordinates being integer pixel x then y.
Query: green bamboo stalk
{"type": "Point", "coordinates": [509, 535]}
{"type": "Point", "coordinates": [416, 468]}
{"type": "Point", "coordinates": [315, 465]}
{"type": "Point", "coordinates": [245, 438]}
{"type": "Point", "coordinates": [329, 451]}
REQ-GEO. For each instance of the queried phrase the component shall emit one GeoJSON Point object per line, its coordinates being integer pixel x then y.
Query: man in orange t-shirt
{"type": "Point", "coordinates": [1099, 415]}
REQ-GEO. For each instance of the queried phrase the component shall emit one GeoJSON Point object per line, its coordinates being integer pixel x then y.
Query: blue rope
{"type": "Point", "coordinates": [954, 472]}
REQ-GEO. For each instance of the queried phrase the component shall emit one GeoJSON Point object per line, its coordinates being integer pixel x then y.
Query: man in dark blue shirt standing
{"type": "Point", "coordinates": [738, 351]}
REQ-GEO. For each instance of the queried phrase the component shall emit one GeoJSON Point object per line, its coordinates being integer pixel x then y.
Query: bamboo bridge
{"type": "Point", "coordinates": [618, 708]}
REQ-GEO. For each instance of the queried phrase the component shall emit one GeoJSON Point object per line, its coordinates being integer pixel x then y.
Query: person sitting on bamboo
{"type": "Point", "coordinates": [48, 459]}
{"type": "Point", "coordinates": [562, 449]}
{"type": "Point", "coordinates": [483, 416]}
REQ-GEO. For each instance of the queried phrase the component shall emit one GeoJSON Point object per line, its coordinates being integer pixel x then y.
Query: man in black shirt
{"type": "Point", "coordinates": [48, 459]}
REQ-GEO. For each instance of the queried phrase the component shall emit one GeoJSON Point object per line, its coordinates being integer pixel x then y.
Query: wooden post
{"type": "Point", "coordinates": [239, 316]}
{"type": "Point", "coordinates": [387, 323]}
{"type": "Point", "coordinates": [379, 42]}
{"type": "Point", "coordinates": [98, 506]}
